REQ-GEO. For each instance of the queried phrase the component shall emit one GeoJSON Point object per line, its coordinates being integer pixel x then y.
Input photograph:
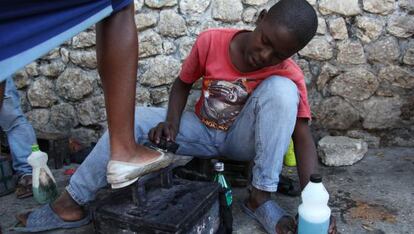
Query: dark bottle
{"type": "Point", "coordinates": [225, 198]}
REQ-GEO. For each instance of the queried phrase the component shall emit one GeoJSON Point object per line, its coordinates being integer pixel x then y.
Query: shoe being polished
{"type": "Point", "coordinates": [121, 174]}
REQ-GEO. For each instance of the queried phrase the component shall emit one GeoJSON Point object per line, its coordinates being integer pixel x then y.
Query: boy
{"type": "Point", "coordinates": [20, 135]}
{"type": "Point", "coordinates": [253, 101]}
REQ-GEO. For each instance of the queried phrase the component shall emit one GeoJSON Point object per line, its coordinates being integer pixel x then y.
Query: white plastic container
{"type": "Point", "coordinates": [314, 213]}
{"type": "Point", "coordinates": [44, 184]}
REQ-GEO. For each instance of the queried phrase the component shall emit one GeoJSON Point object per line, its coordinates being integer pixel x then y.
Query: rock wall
{"type": "Point", "coordinates": [358, 68]}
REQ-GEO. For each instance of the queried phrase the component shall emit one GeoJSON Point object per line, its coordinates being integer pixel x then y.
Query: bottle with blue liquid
{"type": "Point", "coordinates": [314, 213]}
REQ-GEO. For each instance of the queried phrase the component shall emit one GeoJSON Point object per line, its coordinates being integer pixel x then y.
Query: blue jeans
{"type": "Point", "coordinates": [19, 131]}
{"type": "Point", "coordinates": [261, 132]}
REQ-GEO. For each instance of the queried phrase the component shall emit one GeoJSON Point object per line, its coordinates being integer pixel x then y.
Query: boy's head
{"type": "Point", "coordinates": [281, 32]}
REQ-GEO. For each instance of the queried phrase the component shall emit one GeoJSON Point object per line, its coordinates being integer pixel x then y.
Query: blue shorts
{"type": "Point", "coordinates": [30, 29]}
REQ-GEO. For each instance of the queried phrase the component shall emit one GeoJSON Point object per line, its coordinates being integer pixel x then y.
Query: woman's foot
{"type": "Point", "coordinates": [123, 173]}
{"type": "Point", "coordinates": [137, 154]}
{"type": "Point", "coordinates": [64, 206]}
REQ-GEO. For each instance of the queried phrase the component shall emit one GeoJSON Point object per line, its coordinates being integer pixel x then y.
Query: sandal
{"type": "Point", "coordinates": [268, 215]}
{"type": "Point", "coordinates": [44, 218]}
{"type": "Point", "coordinates": [24, 186]}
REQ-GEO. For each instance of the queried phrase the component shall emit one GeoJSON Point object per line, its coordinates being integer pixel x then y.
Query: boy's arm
{"type": "Point", "coordinates": [176, 104]}
{"type": "Point", "coordinates": [191, 70]}
{"type": "Point", "coordinates": [178, 100]}
{"type": "Point", "coordinates": [307, 160]}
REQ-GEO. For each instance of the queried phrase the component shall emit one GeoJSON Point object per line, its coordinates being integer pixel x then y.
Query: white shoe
{"type": "Point", "coordinates": [121, 174]}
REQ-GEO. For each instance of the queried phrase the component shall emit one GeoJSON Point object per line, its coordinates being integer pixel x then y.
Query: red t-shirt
{"type": "Point", "coordinates": [225, 89]}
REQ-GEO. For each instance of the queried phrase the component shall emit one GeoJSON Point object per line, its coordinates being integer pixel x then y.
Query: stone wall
{"type": "Point", "coordinates": [358, 68]}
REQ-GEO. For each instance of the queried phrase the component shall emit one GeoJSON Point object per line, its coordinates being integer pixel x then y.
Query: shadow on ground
{"type": "Point", "coordinates": [373, 196]}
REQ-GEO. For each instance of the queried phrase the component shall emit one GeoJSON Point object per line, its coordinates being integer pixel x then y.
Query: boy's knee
{"type": "Point", "coordinates": [280, 90]}
{"type": "Point", "coordinates": [280, 84]}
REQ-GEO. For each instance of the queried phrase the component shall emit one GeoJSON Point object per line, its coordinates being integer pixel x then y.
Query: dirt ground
{"type": "Point", "coordinates": [373, 196]}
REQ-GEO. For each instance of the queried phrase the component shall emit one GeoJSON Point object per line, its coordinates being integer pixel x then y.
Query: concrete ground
{"type": "Point", "coordinates": [373, 196]}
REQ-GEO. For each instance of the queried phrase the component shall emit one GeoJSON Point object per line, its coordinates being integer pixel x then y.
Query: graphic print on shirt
{"type": "Point", "coordinates": [223, 101]}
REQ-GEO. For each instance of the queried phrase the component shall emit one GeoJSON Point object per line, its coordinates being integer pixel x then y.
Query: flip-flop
{"type": "Point", "coordinates": [268, 214]}
{"type": "Point", "coordinates": [121, 174]}
{"type": "Point", "coordinates": [44, 219]}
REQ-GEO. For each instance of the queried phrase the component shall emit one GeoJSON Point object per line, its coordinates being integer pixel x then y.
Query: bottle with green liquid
{"type": "Point", "coordinates": [44, 184]}
{"type": "Point", "coordinates": [225, 198]}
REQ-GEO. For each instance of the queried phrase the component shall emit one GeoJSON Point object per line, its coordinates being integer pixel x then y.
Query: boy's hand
{"type": "Point", "coordinates": [163, 129]}
{"type": "Point", "coordinates": [332, 226]}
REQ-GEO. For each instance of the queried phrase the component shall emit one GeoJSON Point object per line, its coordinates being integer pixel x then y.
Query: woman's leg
{"type": "Point", "coordinates": [117, 54]}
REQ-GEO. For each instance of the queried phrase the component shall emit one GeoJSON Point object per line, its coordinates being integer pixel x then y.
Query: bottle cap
{"type": "Point", "coordinates": [35, 148]}
{"type": "Point", "coordinates": [219, 166]}
{"type": "Point", "coordinates": [316, 178]}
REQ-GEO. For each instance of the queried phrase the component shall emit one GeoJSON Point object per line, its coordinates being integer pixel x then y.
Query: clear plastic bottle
{"type": "Point", "coordinates": [44, 184]}
{"type": "Point", "coordinates": [314, 213]}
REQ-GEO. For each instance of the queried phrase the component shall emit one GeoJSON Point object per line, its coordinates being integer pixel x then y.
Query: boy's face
{"type": "Point", "coordinates": [269, 44]}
